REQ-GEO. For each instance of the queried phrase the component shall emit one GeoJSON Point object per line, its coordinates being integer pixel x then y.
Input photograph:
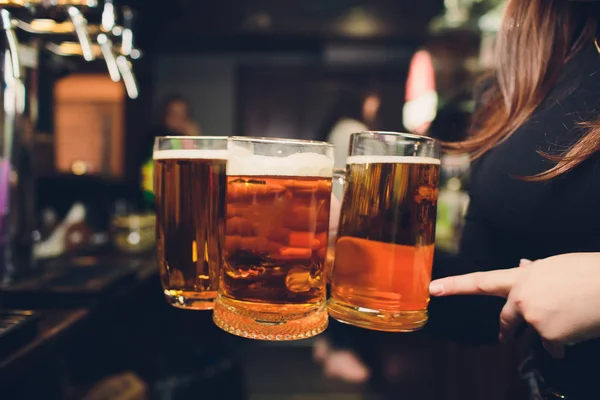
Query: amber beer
{"type": "Point", "coordinates": [190, 190]}
{"type": "Point", "coordinates": [385, 245]}
{"type": "Point", "coordinates": [273, 281]}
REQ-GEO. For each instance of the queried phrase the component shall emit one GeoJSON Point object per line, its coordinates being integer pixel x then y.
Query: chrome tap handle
{"type": "Point", "coordinates": [106, 46]}
{"type": "Point", "coordinates": [127, 41]}
{"type": "Point", "coordinates": [128, 78]}
{"type": "Point", "coordinates": [12, 43]}
{"type": "Point", "coordinates": [80, 24]}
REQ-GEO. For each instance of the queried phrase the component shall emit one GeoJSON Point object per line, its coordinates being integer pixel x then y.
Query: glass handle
{"type": "Point", "coordinates": [339, 182]}
{"type": "Point", "coordinates": [339, 174]}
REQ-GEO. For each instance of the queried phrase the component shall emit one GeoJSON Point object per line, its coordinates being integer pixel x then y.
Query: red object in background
{"type": "Point", "coordinates": [421, 97]}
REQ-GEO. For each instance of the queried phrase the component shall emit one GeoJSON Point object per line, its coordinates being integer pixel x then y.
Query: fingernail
{"type": "Point", "coordinates": [524, 261]}
{"type": "Point", "coordinates": [436, 289]}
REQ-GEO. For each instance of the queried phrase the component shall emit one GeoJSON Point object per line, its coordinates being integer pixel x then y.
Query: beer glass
{"type": "Point", "coordinates": [278, 198]}
{"type": "Point", "coordinates": [384, 248]}
{"type": "Point", "coordinates": [189, 186]}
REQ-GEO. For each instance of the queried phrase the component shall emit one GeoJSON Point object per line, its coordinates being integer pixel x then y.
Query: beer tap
{"type": "Point", "coordinates": [12, 44]}
{"type": "Point", "coordinates": [47, 21]}
{"type": "Point", "coordinates": [128, 78]}
{"type": "Point", "coordinates": [17, 194]}
{"type": "Point", "coordinates": [127, 49]}
{"type": "Point", "coordinates": [105, 43]}
{"type": "Point", "coordinates": [108, 16]}
{"type": "Point", "coordinates": [117, 58]}
{"type": "Point", "coordinates": [127, 35]}
{"type": "Point", "coordinates": [106, 47]}
{"type": "Point", "coordinates": [99, 40]}
{"type": "Point", "coordinates": [80, 24]}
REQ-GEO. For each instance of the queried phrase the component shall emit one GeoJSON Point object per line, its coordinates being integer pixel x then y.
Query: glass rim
{"type": "Point", "coordinates": [191, 137]}
{"type": "Point", "coordinates": [411, 136]}
{"type": "Point", "coordinates": [264, 139]}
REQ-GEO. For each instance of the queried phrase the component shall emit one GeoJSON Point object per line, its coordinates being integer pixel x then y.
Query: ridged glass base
{"type": "Point", "coordinates": [275, 322]}
{"type": "Point", "coordinates": [191, 300]}
{"type": "Point", "coordinates": [402, 321]}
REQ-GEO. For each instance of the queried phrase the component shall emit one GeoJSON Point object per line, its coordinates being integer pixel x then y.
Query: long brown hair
{"type": "Point", "coordinates": [536, 39]}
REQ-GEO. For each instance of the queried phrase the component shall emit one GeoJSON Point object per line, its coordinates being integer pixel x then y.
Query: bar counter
{"type": "Point", "coordinates": [154, 351]}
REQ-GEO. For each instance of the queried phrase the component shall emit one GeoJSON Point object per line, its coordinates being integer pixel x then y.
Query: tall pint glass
{"type": "Point", "coordinates": [278, 199]}
{"type": "Point", "coordinates": [384, 249]}
{"type": "Point", "coordinates": [189, 186]}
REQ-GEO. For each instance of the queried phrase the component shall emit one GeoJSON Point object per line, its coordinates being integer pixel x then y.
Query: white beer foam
{"type": "Point", "coordinates": [300, 164]}
{"type": "Point", "coordinates": [391, 160]}
{"type": "Point", "coordinates": [191, 154]}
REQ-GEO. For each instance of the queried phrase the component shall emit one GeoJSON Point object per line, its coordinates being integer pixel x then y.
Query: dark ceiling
{"type": "Point", "coordinates": [197, 25]}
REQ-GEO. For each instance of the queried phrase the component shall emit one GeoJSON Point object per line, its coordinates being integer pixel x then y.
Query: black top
{"type": "Point", "coordinates": [510, 219]}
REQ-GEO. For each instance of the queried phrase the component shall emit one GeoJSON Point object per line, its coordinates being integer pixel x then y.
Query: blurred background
{"type": "Point", "coordinates": [97, 80]}
{"type": "Point", "coordinates": [298, 69]}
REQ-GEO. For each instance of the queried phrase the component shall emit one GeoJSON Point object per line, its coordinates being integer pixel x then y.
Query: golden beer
{"type": "Point", "coordinates": [385, 245]}
{"type": "Point", "coordinates": [273, 278]}
{"type": "Point", "coordinates": [190, 189]}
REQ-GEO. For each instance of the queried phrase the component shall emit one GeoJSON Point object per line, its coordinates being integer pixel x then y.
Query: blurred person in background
{"type": "Point", "coordinates": [350, 114]}
{"type": "Point", "coordinates": [174, 120]}
{"type": "Point", "coordinates": [339, 350]}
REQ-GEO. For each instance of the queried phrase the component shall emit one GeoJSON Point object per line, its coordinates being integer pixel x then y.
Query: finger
{"type": "Point", "coordinates": [510, 321]}
{"type": "Point", "coordinates": [556, 350]}
{"type": "Point", "coordinates": [492, 283]}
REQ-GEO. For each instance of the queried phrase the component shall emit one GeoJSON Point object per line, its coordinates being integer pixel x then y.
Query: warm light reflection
{"type": "Point", "coordinates": [358, 22]}
{"type": "Point", "coordinates": [72, 49]}
{"type": "Point", "coordinates": [85, 3]}
{"type": "Point", "coordinates": [79, 168]}
{"type": "Point", "coordinates": [19, 3]}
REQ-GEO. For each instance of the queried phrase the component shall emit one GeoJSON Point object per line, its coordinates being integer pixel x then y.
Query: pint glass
{"type": "Point", "coordinates": [278, 199]}
{"type": "Point", "coordinates": [189, 185]}
{"type": "Point", "coordinates": [384, 249]}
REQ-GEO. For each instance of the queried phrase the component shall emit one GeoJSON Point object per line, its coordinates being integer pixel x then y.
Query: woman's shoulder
{"type": "Point", "coordinates": [578, 88]}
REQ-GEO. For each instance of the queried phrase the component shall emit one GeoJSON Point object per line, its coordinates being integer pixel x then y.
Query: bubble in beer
{"type": "Point", "coordinates": [298, 280]}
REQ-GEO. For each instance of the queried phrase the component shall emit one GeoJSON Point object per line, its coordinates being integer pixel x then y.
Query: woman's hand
{"type": "Point", "coordinates": [191, 128]}
{"type": "Point", "coordinates": [559, 296]}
